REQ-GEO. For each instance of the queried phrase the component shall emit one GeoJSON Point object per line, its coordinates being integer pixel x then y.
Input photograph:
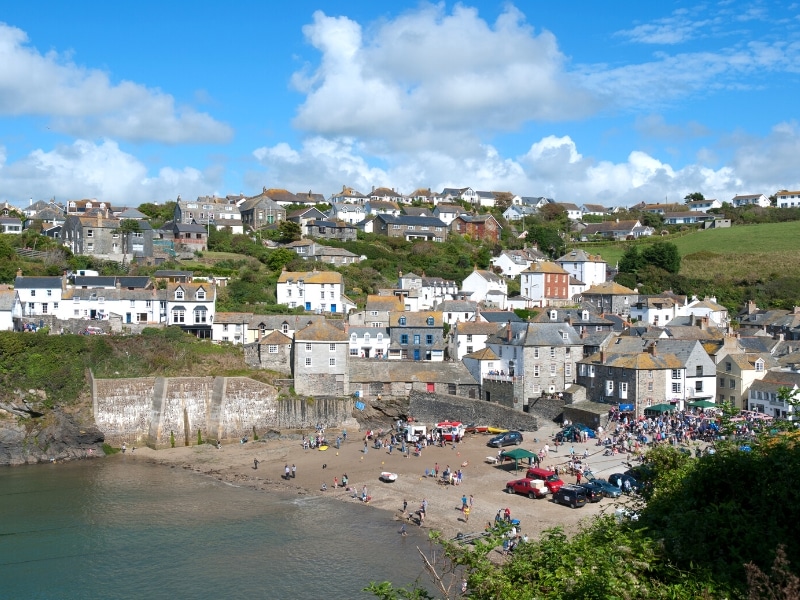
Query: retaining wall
{"type": "Point", "coordinates": [153, 411]}
{"type": "Point", "coordinates": [434, 408]}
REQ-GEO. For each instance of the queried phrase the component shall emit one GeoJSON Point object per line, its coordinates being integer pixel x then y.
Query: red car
{"type": "Point", "coordinates": [532, 488]}
{"type": "Point", "coordinates": [551, 480]}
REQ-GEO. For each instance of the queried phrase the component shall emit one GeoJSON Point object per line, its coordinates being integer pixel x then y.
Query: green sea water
{"type": "Point", "coordinates": [118, 528]}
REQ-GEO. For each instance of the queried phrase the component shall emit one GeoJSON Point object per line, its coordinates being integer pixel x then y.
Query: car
{"type": "Point", "coordinates": [532, 488]}
{"type": "Point", "coordinates": [607, 489]}
{"type": "Point", "coordinates": [624, 482]}
{"type": "Point", "coordinates": [570, 495]}
{"type": "Point", "coordinates": [594, 493]}
{"type": "Point", "coordinates": [551, 481]}
{"type": "Point", "coordinates": [572, 433]}
{"type": "Point", "coordinates": [509, 438]}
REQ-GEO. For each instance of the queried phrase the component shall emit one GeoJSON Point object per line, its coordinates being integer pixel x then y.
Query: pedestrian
{"type": "Point", "coordinates": [507, 515]}
{"type": "Point", "coordinates": [294, 471]}
{"type": "Point", "coordinates": [124, 447]}
{"type": "Point", "coordinates": [366, 446]}
{"type": "Point", "coordinates": [471, 501]}
{"type": "Point", "coordinates": [255, 463]}
{"type": "Point", "coordinates": [578, 477]}
{"type": "Point", "coordinates": [464, 502]}
{"type": "Point", "coordinates": [466, 514]}
{"type": "Point", "coordinates": [338, 441]}
{"type": "Point", "coordinates": [405, 505]}
{"type": "Point", "coordinates": [436, 469]}
{"type": "Point", "coordinates": [286, 472]}
{"type": "Point", "coordinates": [344, 434]}
{"type": "Point", "coordinates": [335, 482]}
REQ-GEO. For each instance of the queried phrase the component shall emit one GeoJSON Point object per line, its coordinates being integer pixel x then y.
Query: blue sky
{"type": "Point", "coordinates": [582, 101]}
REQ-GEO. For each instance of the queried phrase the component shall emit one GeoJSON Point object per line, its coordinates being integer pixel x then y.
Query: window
{"type": "Point", "coordinates": [536, 353]}
{"type": "Point", "coordinates": [429, 321]}
{"type": "Point", "coordinates": [178, 316]}
{"type": "Point", "coordinates": [308, 361]}
{"type": "Point", "coordinates": [90, 247]}
{"type": "Point", "coordinates": [289, 293]}
{"type": "Point", "coordinates": [552, 369]}
{"type": "Point", "coordinates": [353, 338]}
{"type": "Point", "coordinates": [331, 362]}
{"type": "Point", "coordinates": [721, 382]}
{"type": "Point", "coordinates": [44, 308]}
{"type": "Point", "coordinates": [90, 233]}
{"type": "Point", "coordinates": [308, 347]}
{"type": "Point", "coordinates": [353, 351]}
{"type": "Point", "coordinates": [272, 349]}
{"type": "Point", "coordinates": [179, 294]}
{"type": "Point", "coordinates": [201, 295]}
{"type": "Point", "coordinates": [416, 339]}
{"type": "Point", "coordinates": [284, 328]}
{"type": "Point", "coordinates": [623, 387]}
{"type": "Point", "coordinates": [332, 347]}
{"type": "Point", "coordinates": [732, 384]}
{"type": "Point", "coordinates": [759, 365]}
{"type": "Point", "coordinates": [322, 294]}
{"type": "Point", "coordinates": [469, 337]}
{"type": "Point", "coordinates": [200, 315]}
{"type": "Point", "coordinates": [676, 388]}
{"type": "Point", "coordinates": [402, 320]}
{"type": "Point", "coordinates": [404, 339]}
{"type": "Point", "coordinates": [55, 306]}
{"type": "Point", "coordinates": [49, 292]}
{"type": "Point", "coordinates": [676, 373]}
{"type": "Point", "coordinates": [469, 349]}
{"type": "Point", "coordinates": [728, 367]}
{"type": "Point", "coordinates": [649, 386]}
{"type": "Point", "coordinates": [567, 369]}
{"type": "Point", "coordinates": [609, 387]}
{"type": "Point", "coordinates": [373, 313]}
{"type": "Point", "coordinates": [552, 352]}
{"type": "Point", "coordinates": [379, 337]}
{"type": "Point", "coordinates": [536, 370]}
{"type": "Point", "coordinates": [698, 386]}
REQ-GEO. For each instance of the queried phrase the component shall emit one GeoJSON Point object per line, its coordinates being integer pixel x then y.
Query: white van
{"type": "Point", "coordinates": [414, 433]}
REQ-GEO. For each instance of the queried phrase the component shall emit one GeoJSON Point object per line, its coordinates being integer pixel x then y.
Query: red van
{"type": "Point", "coordinates": [551, 480]}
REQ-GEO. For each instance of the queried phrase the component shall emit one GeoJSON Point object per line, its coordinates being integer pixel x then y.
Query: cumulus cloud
{"type": "Point", "coordinates": [102, 170]}
{"type": "Point", "coordinates": [84, 102]}
{"type": "Point", "coordinates": [429, 76]}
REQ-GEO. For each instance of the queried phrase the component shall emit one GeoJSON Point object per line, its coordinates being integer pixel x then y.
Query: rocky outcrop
{"type": "Point", "coordinates": [53, 436]}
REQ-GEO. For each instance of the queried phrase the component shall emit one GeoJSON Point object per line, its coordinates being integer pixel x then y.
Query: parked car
{"type": "Point", "coordinates": [570, 495]}
{"type": "Point", "coordinates": [532, 488]}
{"type": "Point", "coordinates": [594, 493]}
{"type": "Point", "coordinates": [572, 433]}
{"type": "Point", "coordinates": [552, 481]}
{"type": "Point", "coordinates": [509, 438]}
{"type": "Point", "coordinates": [608, 490]}
{"type": "Point", "coordinates": [624, 482]}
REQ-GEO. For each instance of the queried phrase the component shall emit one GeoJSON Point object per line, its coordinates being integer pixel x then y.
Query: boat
{"type": "Point", "coordinates": [496, 430]}
{"type": "Point", "coordinates": [476, 428]}
{"type": "Point", "coordinates": [322, 448]}
{"type": "Point", "coordinates": [388, 477]}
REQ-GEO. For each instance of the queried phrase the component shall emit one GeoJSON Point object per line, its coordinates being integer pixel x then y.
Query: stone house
{"type": "Point", "coordinates": [330, 230]}
{"type": "Point", "coordinates": [377, 311]}
{"type": "Point", "coordinates": [480, 227]}
{"type": "Point", "coordinates": [100, 236]}
{"type": "Point", "coordinates": [320, 361]}
{"type": "Point", "coordinates": [273, 352]}
{"type": "Point", "coordinates": [373, 379]}
{"type": "Point", "coordinates": [416, 336]}
{"type": "Point", "coordinates": [261, 210]}
{"type": "Point", "coordinates": [411, 228]}
{"type": "Point", "coordinates": [610, 297]}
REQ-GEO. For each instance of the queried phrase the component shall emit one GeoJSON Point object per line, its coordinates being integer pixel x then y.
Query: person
{"type": "Point", "coordinates": [507, 515]}
{"type": "Point", "coordinates": [499, 516]}
{"type": "Point", "coordinates": [324, 487]}
{"type": "Point", "coordinates": [344, 434]}
{"type": "Point", "coordinates": [294, 471]}
{"type": "Point", "coordinates": [364, 494]}
{"type": "Point", "coordinates": [286, 471]}
{"type": "Point", "coordinates": [255, 463]}
{"type": "Point", "coordinates": [335, 482]}
{"type": "Point", "coordinates": [578, 477]}
{"type": "Point", "coordinates": [471, 501]}
{"type": "Point", "coordinates": [403, 531]}
{"type": "Point", "coordinates": [338, 441]}
{"type": "Point", "coordinates": [466, 514]}
{"type": "Point", "coordinates": [405, 505]}
{"type": "Point", "coordinates": [219, 445]}
{"type": "Point", "coordinates": [464, 502]}
{"type": "Point", "coordinates": [124, 447]}
{"type": "Point", "coordinates": [464, 586]}
{"type": "Point", "coordinates": [344, 480]}
{"type": "Point", "coordinates": [436, 469]}
{"type": "Point", "coordinates": [366, 446]}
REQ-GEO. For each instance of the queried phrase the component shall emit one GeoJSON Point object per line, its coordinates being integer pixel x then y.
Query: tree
{"type": "Point", "coordinates": [631, 261]}
{"type": "Point", "coordinates": [125, 229]}
{"type": "Point", "coordinates": [694, 197]}
{"type": "Point", "coordinates": [664, 255]}
{"type": "Point", "coordinates": [547, 238]}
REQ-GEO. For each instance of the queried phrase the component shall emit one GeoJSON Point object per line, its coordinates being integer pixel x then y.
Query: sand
{"type": "Point", "coordinates": [234, 463]}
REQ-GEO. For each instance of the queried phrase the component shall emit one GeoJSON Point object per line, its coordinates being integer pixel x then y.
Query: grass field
{"type": "Point", "coordinates": [746, 252]}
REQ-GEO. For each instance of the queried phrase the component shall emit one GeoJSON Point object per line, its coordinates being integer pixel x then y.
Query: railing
{"type": "Point", "coordinates": [506, 378]}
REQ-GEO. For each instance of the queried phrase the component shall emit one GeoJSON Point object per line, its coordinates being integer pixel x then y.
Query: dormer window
{"type": "Point", "coordinates": [553, 315]}
{"type": "Point", "coordinates": [402, 320]}
{"type": "Point", "coordinates": [585, 315]}
{"type": "Point", "coordinates": [429, 321]}
{"type": "Point", "coordinates": [178, 294]}
{"type": "Point", "coordinates": [201, 294]}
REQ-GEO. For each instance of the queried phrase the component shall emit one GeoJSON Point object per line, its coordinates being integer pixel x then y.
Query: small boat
{"type": "Point", "coordinates": [476, 429]}
{"type": "Point", "coordinates": [388, 477]}
{"type": "Point", "coordinates": [496, 430]}
{"type": "Point", "coordinates": [322, 448]}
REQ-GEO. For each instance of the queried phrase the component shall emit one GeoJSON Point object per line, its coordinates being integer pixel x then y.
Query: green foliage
{"type": "Point", "coordinates": [548, 240]}
{"type": "Point", "coordinates": [171, 439]}
{"type": "Point", "coordinates": [694, 197]}
{"type": "Point", "coordinates": [109, 450]}
{"type": "Point", "coordinates": [199, 437]}
{"type": "Point", "coordinates": [158, 213]}
{"type": "Point", "coordinates": [663, 255]}
{"type": "Point", "coordinates": [525, 314]}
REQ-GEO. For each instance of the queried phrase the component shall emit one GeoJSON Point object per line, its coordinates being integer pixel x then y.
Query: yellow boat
{"type": "Point", "coordinates": [321, 448]}
{"type": "Point", "coordinates": [496, 430]}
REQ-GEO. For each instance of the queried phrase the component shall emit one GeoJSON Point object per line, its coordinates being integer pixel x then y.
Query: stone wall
{"type": "Point", "coordinates": [149, 411]}
{"type": "Point", "coordinates": [433, 408]}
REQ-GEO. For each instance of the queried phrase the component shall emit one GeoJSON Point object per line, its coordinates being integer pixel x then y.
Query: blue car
{"type": "Point", "coordinates": [509, 438]}
{"type": "Point", "coordinates": [608, 490]}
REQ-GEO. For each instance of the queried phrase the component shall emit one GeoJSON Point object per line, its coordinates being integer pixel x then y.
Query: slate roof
{"type": "Point", "coordinates": [411, 220]}
{"type": "Point", "coordinates": [578, 255]}
{"type": "Point", "coordinates": [321, 331]}
{"type": "Point", "coordinates": [387, 371]}
{"type": "Point", "coordinates": [275, 338]}
{"type": "Point", "coordinates": [37, 283]}
{"type": "Point", "coordinates": [232, 318]}
{"type": "Point", "coordinates": [501, 316]}
{"type": "Point", "coordinates": [457, 306]}
{"type": "Point", "coordinates": [537, 334]}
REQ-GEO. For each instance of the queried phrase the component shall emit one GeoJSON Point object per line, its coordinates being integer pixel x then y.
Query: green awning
{"type": "Point", "coordinates": [659, 408]}
{"type": "Point", "coordinates": [702, 404]}
{"type": "Point", "coordinates": [518, 454]}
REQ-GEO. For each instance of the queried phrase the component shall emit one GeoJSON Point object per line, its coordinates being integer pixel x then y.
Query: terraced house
{"type": "Point", "coordinates": [416, 336]}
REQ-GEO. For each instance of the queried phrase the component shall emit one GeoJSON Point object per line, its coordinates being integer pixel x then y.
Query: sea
{"type": "Point", "coordinates": [118, 528]}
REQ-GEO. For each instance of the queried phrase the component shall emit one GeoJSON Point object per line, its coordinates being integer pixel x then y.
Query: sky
{"type": "Point", "coordinates": [583, 102]}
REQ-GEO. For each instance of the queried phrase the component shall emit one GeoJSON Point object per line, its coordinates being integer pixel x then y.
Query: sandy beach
{"type": "Point", "coordinates": [234, 463]}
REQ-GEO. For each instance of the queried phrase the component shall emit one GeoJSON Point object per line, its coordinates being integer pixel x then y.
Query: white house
{"type": "Point", "coordinates": [447, 213]}
{"type": "Point", "coordinates": [454, 311]}
{"type": "Point", "coordinates": [513, 262]}
{"type": "Point", "coordinates": [316, 291]}
{"type": "Point", "coordinates": [469, 337]}
{"type": "Point", "coordinates": [703, 205]}
{"type": "Point", "coordinates": [37, 296]}
{"type": "Point", "coordinates": [750, 200]}
{"type": "Point", "coordinates": [574, 212]}
{"type": "Point", "coordinates": [11, 225]}
{"type": "Point", "coordinates": [487, 199]}
{"type": "Point", "coordinates": [517, 212]}
{"type": "Point", "coordinates": [231, 327]}
{"type": "Point", "coordinates": [486, 287]}
{"type": "Point", "coordinates": [349, 213]}
{"type": "Point", "coordinates": [463, 194]}
{"type": "Point", "coordinates": [369, 342]}
{"type": "Point", "coordinates": [192, 306]}
{"type": "Point", "coordinates": [588, 268]}
{"type": "Point", "coordinates": [6, 308]}
{"type": "Point", "coordinates": [424, 293]}
{"type": "Point", "coordinates": [708, 307]}
{"type": "Point", "coordinates": [655, 310]}
{"type": "Point", "coordinates": [787, 199]}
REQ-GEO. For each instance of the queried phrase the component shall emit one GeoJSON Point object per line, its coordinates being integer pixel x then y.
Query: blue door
{"type": "Point", "coordinates": [127, 317]}
{"type": "Point", "coordinates": [308, 305]}
{"type": "Point", "coordinates": [333, 308]}
{"type": "Point", "coordinates": [416, 354]}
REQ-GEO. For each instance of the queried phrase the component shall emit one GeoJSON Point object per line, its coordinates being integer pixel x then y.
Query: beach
{"type": "Point", "coordinates": [484, 481]}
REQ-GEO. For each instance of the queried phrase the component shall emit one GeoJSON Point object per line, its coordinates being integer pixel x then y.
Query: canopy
{"type": "Point", "coordinates": [518, 454]}
{"type": "Point", "coordinates": [702, 404]}
{"type": "Point", "coordinates": [660, 408]}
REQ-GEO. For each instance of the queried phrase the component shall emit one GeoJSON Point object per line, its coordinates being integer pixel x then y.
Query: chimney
{"type": "Point", "coordinates": [602, 357]}
{"type": "Point", "coordinates": [508, 333]}
{"type": "Point", "coordinates": [651, 349]}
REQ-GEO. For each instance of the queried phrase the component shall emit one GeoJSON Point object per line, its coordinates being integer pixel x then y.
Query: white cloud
{"type": "Point", "coordinates": [85, 103]}
{"type": "Point", "coordinates": [428, 78]}
{"type": "Point", "coordinates": [98, 170]}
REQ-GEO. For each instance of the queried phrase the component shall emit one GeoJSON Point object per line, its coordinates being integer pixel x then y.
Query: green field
{"type": "Point", "coordinates": [748, 252]}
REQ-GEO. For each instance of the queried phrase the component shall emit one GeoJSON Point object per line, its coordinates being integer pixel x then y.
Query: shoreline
{"type": "Point", "coordinates": [485, 482]}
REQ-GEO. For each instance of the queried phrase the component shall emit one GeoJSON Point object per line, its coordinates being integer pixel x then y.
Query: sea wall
{"type": "Point", "coordinates": [157, 411]}
{"type": "Point", "coordinates": [433, 408]}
